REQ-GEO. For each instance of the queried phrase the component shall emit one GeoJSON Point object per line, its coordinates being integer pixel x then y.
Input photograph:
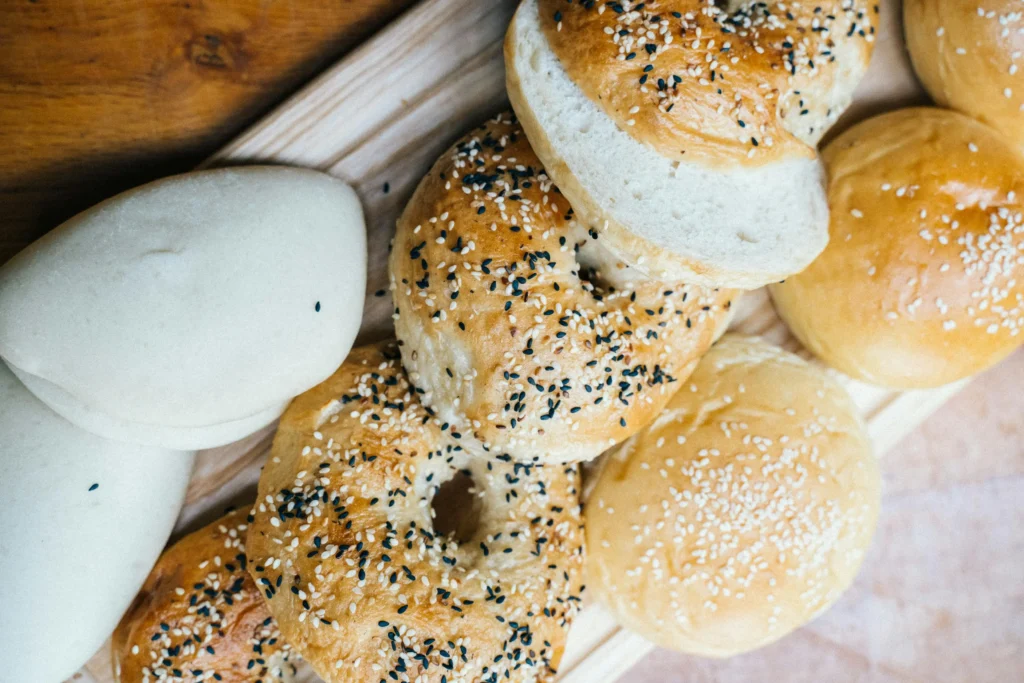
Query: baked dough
{"type": "Point", "coordinates": [922, 283]}
{"type": "Point", "coordinates": [83, 520]}
{"type": "Point", "coordinates": [364, 584]}
{"type": "Point", "coordinates": [742, 512]}
{"type": "Point", "coordinates": [684, 131]}
{"type": "Point", "coordinates": [523, 332]}
{"type": "Point", "coordinates": [186, 313]}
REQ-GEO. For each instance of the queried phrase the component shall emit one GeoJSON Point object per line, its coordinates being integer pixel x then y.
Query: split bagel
{"type": "Point", "coordinates": [685, 131]}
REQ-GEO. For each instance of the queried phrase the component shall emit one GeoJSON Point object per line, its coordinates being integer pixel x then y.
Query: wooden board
{"type": "Point", "coordinates": [379, 119]}
{"type": "Point", "coordinates": [100, 96]}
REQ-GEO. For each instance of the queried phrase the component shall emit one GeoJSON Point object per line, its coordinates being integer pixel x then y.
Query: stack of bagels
{"type": "Point", "coordinates": [562, 280]}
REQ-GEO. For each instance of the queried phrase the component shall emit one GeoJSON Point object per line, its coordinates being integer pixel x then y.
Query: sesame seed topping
{"type": "Point", "coordinates": [572, 348]}
{"type": "Point", "coordinates": [349, 539]}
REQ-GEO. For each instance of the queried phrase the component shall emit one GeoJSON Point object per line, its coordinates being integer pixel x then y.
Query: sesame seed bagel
{"type": "Point", "coordinates": [742, 512]}
{"type": "Point", "coordinates": [685, 130]}
{"type": "Point", "coordinates": [968, 56]}
{"type": "Point", "coordinates": [200, 617]}
{"type": "Point", "coordinates": [922, 283]}
{"type": "Point", "coordinates": [364, 586]}
{"type": "Point", "coordinates": [524, 334]}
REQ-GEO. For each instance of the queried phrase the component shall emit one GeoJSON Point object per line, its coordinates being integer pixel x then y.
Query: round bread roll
{"type": "Point", "coordinates": [684, 131]}
{"type": "Point", "coordinates": [366, 584]}
{"type": "Point", "coordinates": [186, 313]}
{"type": "Point", "coordinates": [522, 331]}
{"type": "Point", "coordinates": [82, 520]}
{"type": "Point", "coordinates": [200, 617]}
{"type": "Point", "coordinates": [923, 281]}
{"type": "Point", "coordinates": [967, 55]}
{"type": "Point", "coordinates": [742, 512]}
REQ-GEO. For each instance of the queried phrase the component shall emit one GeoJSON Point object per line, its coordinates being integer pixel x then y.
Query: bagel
{"type": "Point", "coordinates": [522, 331]}
{"type": "Point", "coordinates": [366, 585]}
{"type": "Point", "coordinates": [742, 512]}
{"type": "Point", "coordinates": [200, 617]}
{"type": "Point", "coordinates": [968, 54]}
{"type": "Point", "coordinates": [923, 281]}
{"type": "Point", "coordinates": [684, 130]}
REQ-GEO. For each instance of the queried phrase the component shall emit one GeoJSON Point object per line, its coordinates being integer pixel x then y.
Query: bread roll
{"type": "Point", "coordinates": [923, 281]}
{"type": "Point", "coordinates": [523, 332]}
{"type": "Point", "coordinates": [186, 313]}
{"type": "Point", "coordinates": [685, 131]}
{"type": "Point", "coordinates": [968, 54]}
{"type": "Point", "coordinates": [200, 612]}
{"type": "Point", "coordinates": [739, 514]}
{"type": "Point", "coordinates": [82, 520]}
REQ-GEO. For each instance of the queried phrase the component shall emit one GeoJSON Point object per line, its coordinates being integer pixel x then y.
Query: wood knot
{"type": "Point", "coordinates": [215, 51]}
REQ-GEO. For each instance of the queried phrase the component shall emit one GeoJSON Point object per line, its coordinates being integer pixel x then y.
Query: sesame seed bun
{"type": "Point", "coordinates": [363, 582]}
{"type": "Point", "coordinates": [922, 282]}
{"type": "Point", "coordinates": [523, 332]}
{"type": "Point", "coordinates": [742, 512]}
{"type": "Point", "coordinates": [200, 612]}
{"type": "Point", "coordinates": [684, 133]}
{"type": "Point", "coordinates": [968, 56]}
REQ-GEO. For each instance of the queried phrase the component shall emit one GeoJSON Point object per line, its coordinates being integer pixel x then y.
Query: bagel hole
{"type": "Point", "coordinates": [590, 273]}
{"type": "Point", "coordinates": [593, 281]}
{"type": "Point", "coordinates": [456, 508]}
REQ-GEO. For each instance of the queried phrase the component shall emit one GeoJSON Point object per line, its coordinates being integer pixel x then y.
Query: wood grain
{"type": "Point", "coordinates": [101, 95]}
{"type": "Point", "coordinates": [379, 123]}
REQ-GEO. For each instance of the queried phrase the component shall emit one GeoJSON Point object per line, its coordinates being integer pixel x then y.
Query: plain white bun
{"type": "Point", "coordinates": [733, 226]}
{"type": "Point", "coordinates": [186, 313]}
{"type": "Point", "coordinates": [71, 558]}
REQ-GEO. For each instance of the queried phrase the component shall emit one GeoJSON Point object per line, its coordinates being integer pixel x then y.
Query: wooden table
{"type": "Point", "coordinates": [100, 95]}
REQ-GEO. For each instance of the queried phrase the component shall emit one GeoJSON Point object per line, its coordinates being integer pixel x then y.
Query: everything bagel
{"type": "Point", "coordinates": [685, 130]}
{"type": "Point", "coordinates": [362, 583]}
{"type": "Point", "coordinates": [525, 334]}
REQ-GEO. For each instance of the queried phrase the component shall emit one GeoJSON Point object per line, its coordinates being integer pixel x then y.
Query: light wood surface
{"type": "Point", "coordinates": [379, 119]}
{"type": "Point", "coordinates": [101, 95]}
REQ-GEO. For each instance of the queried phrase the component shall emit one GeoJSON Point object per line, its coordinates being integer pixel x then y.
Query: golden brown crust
{"type": "Point", "coordinates": [344, 546]}
{"type": "Point", "coordinates": [969, 55]}
{"type": "Point", "coordinates": [742, 512]}
{"type": "Point", "coordinates": [923, 280]}
{"type": "Point", "coordinates": [697, 82]}
{"type": "Point", "coordinates": [509, 343]}
{"type": "Point", "coordinates": [200, 617]}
